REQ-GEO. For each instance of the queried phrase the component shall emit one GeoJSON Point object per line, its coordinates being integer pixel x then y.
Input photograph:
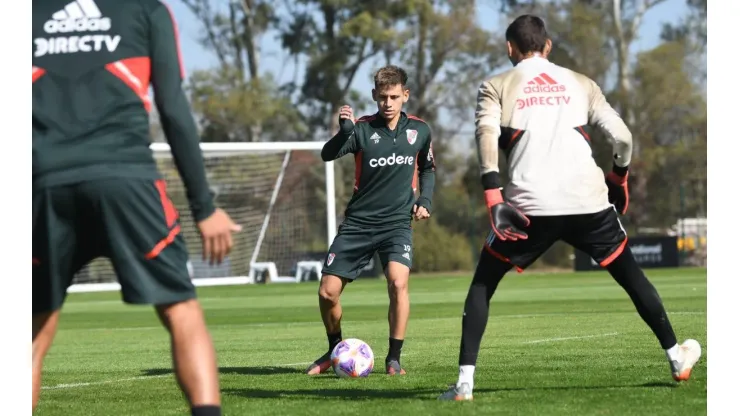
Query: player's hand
{"type": "Point", "coordinates": [507, 222]}
{"type": "Point", "coordinates": [215, 232]}
{"type": "Point", "coordinates": [346, 113]}
{"type": "Point", "coordinates": [420, 213]}
{"type": "Point", "coordinates": [346, 119]}
{"type": "Point", "coordinates": [619, 194]}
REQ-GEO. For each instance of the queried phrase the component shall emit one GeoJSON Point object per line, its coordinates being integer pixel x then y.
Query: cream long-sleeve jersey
{"type": "Point", "coordinates": [536, 113]}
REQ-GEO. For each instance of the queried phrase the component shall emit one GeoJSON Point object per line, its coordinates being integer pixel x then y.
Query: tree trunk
{"type": "Point", "coordinates": [421, 62]}
{"type": "Point", "coordinates": [249, 38]}
{"type": "Point", "coordinates": [237, 44]}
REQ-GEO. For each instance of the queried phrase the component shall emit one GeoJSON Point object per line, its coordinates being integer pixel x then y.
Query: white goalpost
{"type": "Point", "coordinates": [282, 194]}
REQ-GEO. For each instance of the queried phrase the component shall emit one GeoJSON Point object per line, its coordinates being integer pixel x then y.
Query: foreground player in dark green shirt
{"type": "Point", "coordinates": [390, 149]}
{"type": "Point", "coordinates": [96, 188]}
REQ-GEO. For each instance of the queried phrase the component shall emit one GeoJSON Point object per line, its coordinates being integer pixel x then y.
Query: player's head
{"type": "Point", "coordinates": [527, 36]}
{"type": "Point", "coordinates": [390, 91]}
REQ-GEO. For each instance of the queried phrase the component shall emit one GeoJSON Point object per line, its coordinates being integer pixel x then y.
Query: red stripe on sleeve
{"type": "Point", "coordinates": [37, 72]}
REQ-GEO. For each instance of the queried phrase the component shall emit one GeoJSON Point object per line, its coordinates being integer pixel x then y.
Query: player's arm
{"type": "Point", "coordinates": [487, 133]}
{"type": "Point", "coordinates": [341, 144]}
{"type": "Point", "coordinates": [345, 141]}
{"type": "Point", "coordinates": [175, 113]}
{"type": "Point", "coordinates": [506, 221]}
{"type": "Point", "coordinates": [427, 175]}
{"type": "Point", "coordinates": [602, 115]}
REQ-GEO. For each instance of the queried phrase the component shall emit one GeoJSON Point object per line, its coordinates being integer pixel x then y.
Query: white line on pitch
{"type": "Point", "coordinates": [96, 383]}
{"type": "Point", "coordinates": [293, 364]}
{"type": "Point", "coordinates": [121, 380]}
{"type": "Point", "coordinates": [538, 341]}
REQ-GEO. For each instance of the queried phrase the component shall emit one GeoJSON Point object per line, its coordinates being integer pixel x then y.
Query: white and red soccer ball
{"type": "Point", "coordinates": [352, 358]}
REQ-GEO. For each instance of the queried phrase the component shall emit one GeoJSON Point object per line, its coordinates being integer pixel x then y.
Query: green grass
{"type": "Point", "coordinates": [591, 352]}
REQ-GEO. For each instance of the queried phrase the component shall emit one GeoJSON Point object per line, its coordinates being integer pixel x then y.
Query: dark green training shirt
{"type": "Point", "coordinates": [93, 64]}
{"type": "Point", "coordinates": [387, 165]}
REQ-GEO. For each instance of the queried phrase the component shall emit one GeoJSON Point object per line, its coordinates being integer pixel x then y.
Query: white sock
{"type": "Point", "coordinates": [672, 353]}
{"type": "Point", "coordinates": [466, 375]}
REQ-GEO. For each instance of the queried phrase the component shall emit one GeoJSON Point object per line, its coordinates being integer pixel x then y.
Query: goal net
{"type": "Point", "coordinates": [281, 193]}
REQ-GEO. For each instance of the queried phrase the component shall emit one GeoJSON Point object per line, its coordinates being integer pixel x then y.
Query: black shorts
{"type": "Point", "coordinates": [354, 247]}
{"type": "Point", "coordinates": [600, 235]}
{"type": "Point", "coordinates": [130, 221]}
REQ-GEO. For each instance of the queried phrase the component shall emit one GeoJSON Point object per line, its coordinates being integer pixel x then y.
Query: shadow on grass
{"type": "Point", "coordinates": [652, 384]}
{"type": "Point", "coordinates": [337, 393]}
{"type": "Point", "coordinates": [382, 393]}
{"type": "Point", "coordinates": [244, 371]}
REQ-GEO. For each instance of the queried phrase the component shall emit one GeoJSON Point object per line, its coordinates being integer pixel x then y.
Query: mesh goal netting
{"type": "Point", "coordinates": [244, 183]}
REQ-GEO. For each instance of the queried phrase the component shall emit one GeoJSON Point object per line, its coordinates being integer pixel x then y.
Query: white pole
{"type": "Point", "coordinates": [331, 206]}
{"type": "Point", "coordinates": [273, 198]}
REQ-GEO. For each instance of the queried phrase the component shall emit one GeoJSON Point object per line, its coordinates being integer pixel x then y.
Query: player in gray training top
{"type": "Point", "coordinates": [537, 113]}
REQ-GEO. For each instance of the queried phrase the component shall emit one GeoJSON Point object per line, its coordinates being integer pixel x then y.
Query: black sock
{"type": "Point", "coordinates": [334, 339]}
{"type": "Point", "coordinates": [394, 349]}
{"type": "Point", "coordinates": [488, 274]}
{"type": "Point", "coordinates": [625, 270]}
{"type": "Point", "coordinates": [206, 410]}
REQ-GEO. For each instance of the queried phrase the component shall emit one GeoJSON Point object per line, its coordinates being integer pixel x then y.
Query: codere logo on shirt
{"type": "Point", "coordinates": [391, 160]}
{"type": "Point", "coordinates": [76, 17]}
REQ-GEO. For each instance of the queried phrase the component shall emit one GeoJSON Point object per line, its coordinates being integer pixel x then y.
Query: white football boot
{"type": "Point", "coordinates": [688, 354]}
{"type": "Point", "coordinates": [463, 392]}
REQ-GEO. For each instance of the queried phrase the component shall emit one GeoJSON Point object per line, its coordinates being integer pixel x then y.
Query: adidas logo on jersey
{"type": "Point", "coordinates": [391, 160]}
{"type": "Point", "coordinates": [543, 83]}
{"type": "Point", "coordinates": [77, 16]}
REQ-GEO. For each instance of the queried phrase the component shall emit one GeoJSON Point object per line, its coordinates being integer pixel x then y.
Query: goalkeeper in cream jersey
{"type": "Point", "coordinates": [96, 188]}
{"type": "Point", "coordinates": [538, 113]}
{"type": "Point", "coordinates": [393, 157]}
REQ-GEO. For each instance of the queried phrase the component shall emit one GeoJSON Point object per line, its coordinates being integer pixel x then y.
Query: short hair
{"type": "Point", "coordinates": [390, 75]}
{"type": "Point", "coordinates": [528, 33]}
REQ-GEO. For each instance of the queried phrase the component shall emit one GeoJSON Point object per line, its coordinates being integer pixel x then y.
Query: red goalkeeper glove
{"type": "Point", "coordinates": [507, 222]}
{"type": "Point", "coordinates": [619, 195]}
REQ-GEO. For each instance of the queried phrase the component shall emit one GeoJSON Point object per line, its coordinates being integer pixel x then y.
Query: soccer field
{"type": "Point", "coordinates": [556, 344]}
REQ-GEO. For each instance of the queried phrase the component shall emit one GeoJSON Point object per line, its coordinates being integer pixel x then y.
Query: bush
{"type": "Point", "coordinates": [438, 250]}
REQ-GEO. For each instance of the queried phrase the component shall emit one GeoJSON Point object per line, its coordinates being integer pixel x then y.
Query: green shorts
{"type": "Point", "coordinates": [130, 221]}
{"type": "Point", "coordinates": [354, 247]}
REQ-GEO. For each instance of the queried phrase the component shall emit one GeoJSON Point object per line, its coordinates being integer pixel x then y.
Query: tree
{"type": "Point", "coordinates": [230, 113]}
{"type": "Point", "coordinates": [671, 121]}
{"type": "Point", "coordinates": [446, 50]}
{"type": "Point", "coordinates": [692, 29]}
{"type": "Point", "coordinates": [627, 18]}
{"type": "Point", "coordinates": [336, 37]}
{"type": "Point", "coordinates": [233, 35]}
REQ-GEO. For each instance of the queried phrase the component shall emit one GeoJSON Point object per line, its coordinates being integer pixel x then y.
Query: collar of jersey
{"type": "Point", "coordinates": [384, 127]}
{"type": "Point", "coordinates": [532, 59]}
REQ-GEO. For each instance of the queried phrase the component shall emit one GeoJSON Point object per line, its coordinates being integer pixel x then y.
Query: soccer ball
{"type": "Point", "coordinates": [352, 358]}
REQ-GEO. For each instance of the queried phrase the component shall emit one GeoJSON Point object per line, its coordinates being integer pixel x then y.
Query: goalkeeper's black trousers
{"type": "Point", "coordinates": [624, 269]}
